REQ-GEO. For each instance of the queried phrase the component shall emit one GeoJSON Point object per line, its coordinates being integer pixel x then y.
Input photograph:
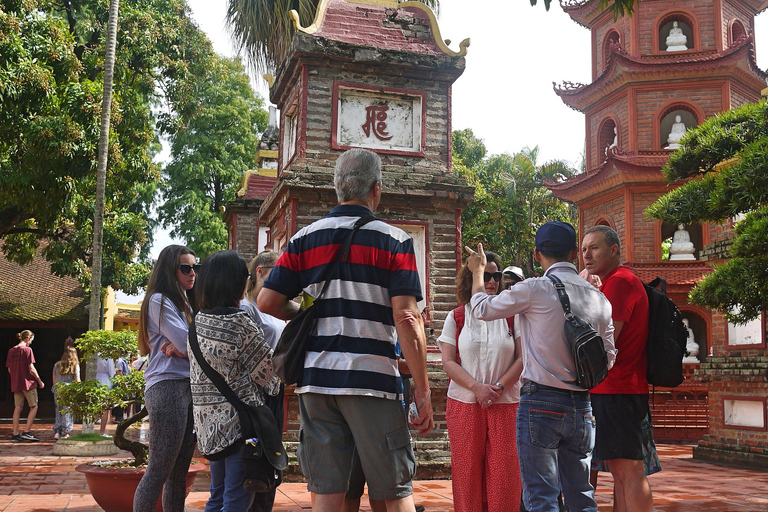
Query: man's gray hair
{"type": "Point", "coordinates": [355, 174]}
{"type": "Point", "coordinates": [611, 236]}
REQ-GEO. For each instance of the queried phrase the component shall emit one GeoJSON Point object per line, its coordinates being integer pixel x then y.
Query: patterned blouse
{"type": "Point", "coordinates": [234, 346]}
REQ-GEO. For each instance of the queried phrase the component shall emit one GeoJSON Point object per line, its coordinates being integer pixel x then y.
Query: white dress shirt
{"type": "Point", "coordinates": [547, 357]}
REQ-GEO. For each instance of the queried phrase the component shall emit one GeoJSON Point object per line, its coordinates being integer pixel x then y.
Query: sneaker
{"type": "Point", "coordinates": [29, 437]}
{"type": "Point", "coordinates": [420, 508]}
{"type": "Point", "coordinates": [16, 439]}
{"type": "Point", "coordinates": [56, 435]}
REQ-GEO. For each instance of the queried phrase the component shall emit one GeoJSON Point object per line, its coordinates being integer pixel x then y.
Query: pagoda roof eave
{"type": "Point", "coordinates": [616, 171]}
{"type": "Point", "coordinates": [623, 69]}
{"type": "Point", "coordinates": [585, 12]}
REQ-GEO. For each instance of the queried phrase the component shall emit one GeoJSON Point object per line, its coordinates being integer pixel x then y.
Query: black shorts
{"type": "Point", "coordinates": [619, 420]}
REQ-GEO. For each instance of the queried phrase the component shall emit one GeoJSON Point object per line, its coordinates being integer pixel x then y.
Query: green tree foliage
{"type": "Point", "coordinates": [738, 140]}
{"type": "Point", "coordinates": [511, 200]}
{"type": "Point", "coordinates": [618, 7]}
{"type": "Point", "coordinates": [51, 73]}
{"type": "Point", "coordinates": [209, 156]}
{"type": "Point", "coordinates": [263, 28]}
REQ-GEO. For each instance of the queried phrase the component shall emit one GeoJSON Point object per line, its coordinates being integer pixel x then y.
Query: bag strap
{"type": "Point", "coordinates": [565, 302]}
{"type": "Point", "coordinates": [344, 251]}
{"type": "Point", "coordinates": [659, 281]}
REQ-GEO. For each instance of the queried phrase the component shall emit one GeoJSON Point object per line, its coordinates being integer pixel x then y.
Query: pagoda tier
{"type": "Point", "coordinates": [736, 64]}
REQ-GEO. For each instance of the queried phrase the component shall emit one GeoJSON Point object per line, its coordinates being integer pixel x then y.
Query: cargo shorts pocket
{"type": "Point", "coordinates": [302, 456]}
{"type": "Point", "coordinates": [401, 455]}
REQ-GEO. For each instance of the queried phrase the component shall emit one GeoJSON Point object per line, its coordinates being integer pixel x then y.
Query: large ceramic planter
{"type": "Point", "coordinates": [113, 488]}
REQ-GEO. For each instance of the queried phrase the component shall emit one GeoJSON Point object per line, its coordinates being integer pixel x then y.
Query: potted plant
{"type": "Point", "coordinates": [113, 483]}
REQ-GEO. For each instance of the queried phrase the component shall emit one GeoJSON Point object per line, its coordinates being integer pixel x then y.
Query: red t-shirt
{"type": "Point", "coordinates": [625, 292]}
{"type": "Point", "coordinates": [19, 359]}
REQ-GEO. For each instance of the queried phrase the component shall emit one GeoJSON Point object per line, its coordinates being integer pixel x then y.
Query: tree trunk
{"type": "Point", "coordinates": [94, 313]}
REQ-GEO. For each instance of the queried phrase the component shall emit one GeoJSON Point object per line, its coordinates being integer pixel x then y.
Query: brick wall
{"type": "Point", "coordinates": [614, 208]}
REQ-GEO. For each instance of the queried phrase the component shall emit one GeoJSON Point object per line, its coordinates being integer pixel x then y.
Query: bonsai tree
{"type": "Point", "coordinates": [90, 399]}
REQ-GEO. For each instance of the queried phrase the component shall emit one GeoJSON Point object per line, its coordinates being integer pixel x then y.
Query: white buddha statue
{"type": "Point", "coordinates": [676, 40]}
{"type": "Point", "coordinates": [614, 143]}
{"type": "Point", "coordinates": [682, 248]}
{"type": "Point", "coordinates": [676, 133]}
{"type": "Point", "coordinates": [691, 346]}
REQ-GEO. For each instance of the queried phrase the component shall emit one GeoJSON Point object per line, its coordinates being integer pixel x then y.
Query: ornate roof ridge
{"type": "Point", "coordinates": [317, 26]}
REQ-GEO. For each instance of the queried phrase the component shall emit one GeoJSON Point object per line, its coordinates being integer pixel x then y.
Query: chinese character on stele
{"type": "Point", "coordinates": [376, 122]}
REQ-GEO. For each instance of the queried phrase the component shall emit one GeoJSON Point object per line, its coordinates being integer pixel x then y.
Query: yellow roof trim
{"type": "Point", "coordinates": [269, 173]}
{"type": "Point", "coordinates": [267, 153]}
{"type": "Point", "coordinates": [244, 183]}
{"type": "Point", "coordinates": [442, 44]}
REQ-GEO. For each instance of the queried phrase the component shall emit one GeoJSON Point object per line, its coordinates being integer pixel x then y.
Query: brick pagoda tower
{"type": "Point", "coordinates": [372, 74]}
{"type": "Point", "coordinates": [672, 62]}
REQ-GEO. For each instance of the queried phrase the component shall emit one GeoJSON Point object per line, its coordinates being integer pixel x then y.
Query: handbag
{"type": "Point", "coordinates": [289, 353]}
{"type": "Point", "coordinates": [586, 344]}
{"type": "Point", "coordinates": [263, 454]}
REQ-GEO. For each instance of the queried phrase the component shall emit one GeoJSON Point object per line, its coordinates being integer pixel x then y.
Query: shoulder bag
{"type": "Point", "coordinates": [586, 344]}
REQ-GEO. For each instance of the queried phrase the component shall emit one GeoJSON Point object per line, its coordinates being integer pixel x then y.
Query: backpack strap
{"type": "Point", "coordinates": [458, 316]}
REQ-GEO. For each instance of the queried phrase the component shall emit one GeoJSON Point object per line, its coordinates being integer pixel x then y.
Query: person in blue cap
{"type": "Point", "coordinates": [555, 426]}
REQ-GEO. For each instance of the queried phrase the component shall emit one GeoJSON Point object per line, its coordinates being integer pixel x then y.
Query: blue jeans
{"type": "Point", "coordinates": [555, 437]}
{"type": "Point", "coordinates": [227, 493]}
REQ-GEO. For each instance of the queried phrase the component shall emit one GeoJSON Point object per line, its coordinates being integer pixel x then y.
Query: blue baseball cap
{"type": "Point", "coordinates": [555, 237]}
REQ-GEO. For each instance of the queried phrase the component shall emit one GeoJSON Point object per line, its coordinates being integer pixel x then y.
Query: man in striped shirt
{"type": "Point", "coordinates": [348, 394]}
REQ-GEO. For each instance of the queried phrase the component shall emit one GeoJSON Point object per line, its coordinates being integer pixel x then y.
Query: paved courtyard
{"type": "Point", "coordinates": [34, 480]}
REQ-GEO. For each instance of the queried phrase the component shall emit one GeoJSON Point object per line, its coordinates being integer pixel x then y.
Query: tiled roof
{"type": "Point", "coordinates": [259, 186]}
{"type": "Point", "coordinates": [686, 273]}
{"type": "Point", "coordinates": [32, 293]}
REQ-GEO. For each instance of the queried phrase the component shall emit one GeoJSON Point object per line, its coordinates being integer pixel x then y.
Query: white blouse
{"type": "Point", "coordinates": [486, 350]}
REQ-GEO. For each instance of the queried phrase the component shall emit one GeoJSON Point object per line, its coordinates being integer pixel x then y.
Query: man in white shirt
{"type": "Point", "coordinates": [555, 426]}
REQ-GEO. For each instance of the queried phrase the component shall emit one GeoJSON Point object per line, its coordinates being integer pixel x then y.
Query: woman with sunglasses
{"type": "Point", "coordinates": [482, 359]}
{"type": "Point", "coordinates": [166, 313]}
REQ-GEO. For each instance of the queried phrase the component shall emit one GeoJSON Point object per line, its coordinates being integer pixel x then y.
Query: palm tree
{"type": "Point", "coordinates": [263, 29]}
{"type": "Point", "coordinates": [94, 313]}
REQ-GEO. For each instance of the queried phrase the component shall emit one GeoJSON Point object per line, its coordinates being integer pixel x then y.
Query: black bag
{"type": "Point", "coordinates": [586, 344]}
{"type": "Point", "coordinates": [263, 467]}
{"type": "Point", "coordinates": [667, 337]}
{"type": "Point", "coordinates": [292, 345]}
{"type": "Point", "coordinates": [263, 454]}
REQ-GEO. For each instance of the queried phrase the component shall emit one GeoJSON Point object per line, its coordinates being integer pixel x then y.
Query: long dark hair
{"type": "Point", "coordinates": [163, 281]}
{"type": "Point", "coordinates": [222, 280]}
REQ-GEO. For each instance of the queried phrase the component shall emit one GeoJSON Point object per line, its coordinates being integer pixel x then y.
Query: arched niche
{"type": "Point", "coordinates": [684, 23]}
{"type": "Point", "coordinates": [694, 232]}
{"type": "Point", "coordinates": [735, 31]}
{"type": "Point", "coordinates": [668, 116]}
{"type": "Point", "coordinates": [699, 326]}
{"type": "Point", "coordinates": [606, 134]}
{"type": "Point", "coordinates": [613, 37]}
{"type": "Point", "coordinates": [605, 220]}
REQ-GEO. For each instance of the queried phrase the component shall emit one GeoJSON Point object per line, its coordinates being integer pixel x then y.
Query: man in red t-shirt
{"type": "Point", "coordinates": [24, 384]}
{"type": "Point", "coordinates": [620, 402]}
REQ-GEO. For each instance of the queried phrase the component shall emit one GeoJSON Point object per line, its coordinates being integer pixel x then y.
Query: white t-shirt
{"type": "Point", "coordinates": [487, 351]}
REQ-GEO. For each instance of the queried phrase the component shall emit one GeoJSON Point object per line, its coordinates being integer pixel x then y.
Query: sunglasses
{"type": "Point", "coordinates": [496, 276]}
{"type": "Point", "coordinates": [186, 269]}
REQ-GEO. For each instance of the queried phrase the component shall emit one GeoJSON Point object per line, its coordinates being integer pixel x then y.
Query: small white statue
{"type": "Point", "coordinates": [676, 40]}
{"type": "Point", "coordinates": [676, 133]}
{"type": "Point", "coordinates": [691, 346]}
{"type": "Point", "coordinates": [614, 143]}
{"type": "Point", "coordinates": [682, 248]}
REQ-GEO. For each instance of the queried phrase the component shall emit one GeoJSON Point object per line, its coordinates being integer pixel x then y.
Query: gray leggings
{"type": "Point", "coordinates": [171, 446]}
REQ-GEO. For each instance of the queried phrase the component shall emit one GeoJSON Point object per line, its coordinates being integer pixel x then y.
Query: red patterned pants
{"type": "Point", "coordinates": [484, 468]}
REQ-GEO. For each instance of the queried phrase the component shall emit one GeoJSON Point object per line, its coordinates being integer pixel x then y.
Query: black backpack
{"type": "Point", "coordinates": [667, 337]}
